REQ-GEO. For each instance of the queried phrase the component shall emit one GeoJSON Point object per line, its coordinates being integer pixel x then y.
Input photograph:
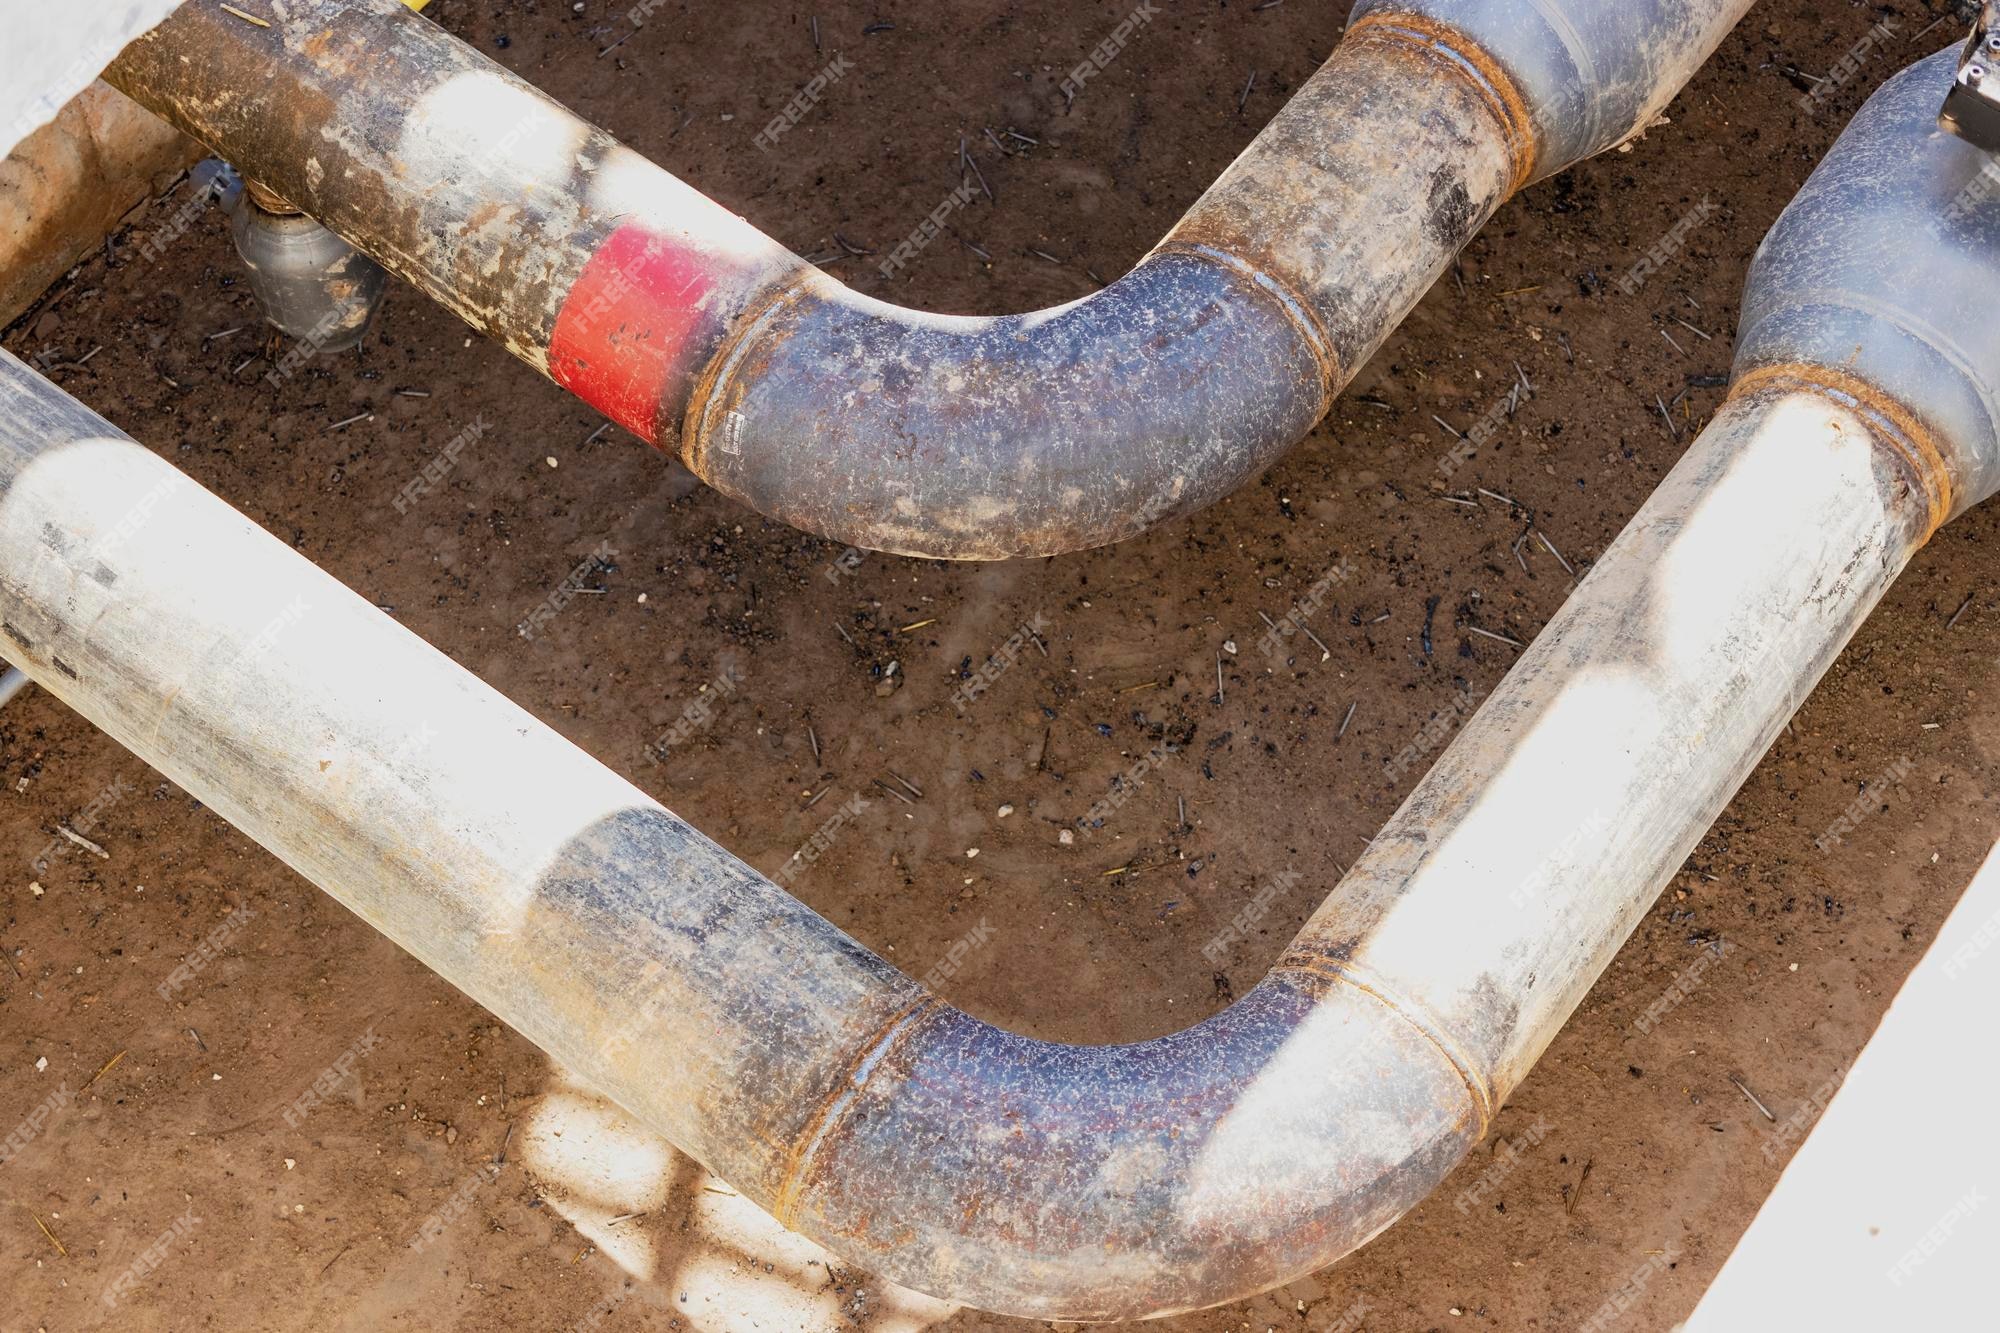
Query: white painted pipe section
{"type": "Point", "coordinates": [12, 681]}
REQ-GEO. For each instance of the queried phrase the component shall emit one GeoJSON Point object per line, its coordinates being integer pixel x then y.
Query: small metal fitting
{"type": "Point", "coordinates": [311, 284]}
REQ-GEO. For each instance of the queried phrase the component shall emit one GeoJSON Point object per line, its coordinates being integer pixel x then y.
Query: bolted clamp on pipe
{"type": "Point", "coordinates": [886, 428]}
{"type": "Point", "coordinates": [1025, 1176]}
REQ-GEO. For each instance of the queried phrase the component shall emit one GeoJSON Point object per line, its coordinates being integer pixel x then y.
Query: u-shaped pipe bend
{"type": "Point", "coordinates": [932, 435]}
{"type": "Point", "coordinates": [1096, 1183]}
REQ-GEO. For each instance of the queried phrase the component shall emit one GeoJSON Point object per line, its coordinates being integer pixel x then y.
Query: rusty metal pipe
{"type": "Point", "coordinates": [1026, 1176]}
{"type": "Point", "coordinates": [1878, 282]}
{"type": "Point", "coordinates": [934, 435]}
{"type": "Point", "coordinates": [1014, 1174]}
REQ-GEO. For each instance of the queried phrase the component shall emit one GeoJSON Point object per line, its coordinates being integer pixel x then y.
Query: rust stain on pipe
{"type": "Point", "coordinates": [1911, 444]}
{"type": "Point", "coordinates": [1314, 966]}
{"type": "Point", "coordinates": [1295, 307]}
{"type": "Point", "coordinates": [1452, 50]}
{"type": "Point", "coordinates": [848, 416]}
{"type": "Point", "coordinates": [826, 1121]}
{"type": "Point", "coordinates": [744, 337]}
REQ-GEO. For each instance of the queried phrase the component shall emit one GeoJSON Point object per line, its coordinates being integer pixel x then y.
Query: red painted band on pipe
{"type": "Point", "coordinates": [624, 330]}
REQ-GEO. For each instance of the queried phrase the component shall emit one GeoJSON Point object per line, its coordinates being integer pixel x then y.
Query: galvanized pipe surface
{"type": "Point", "coordinates": [936, 435]}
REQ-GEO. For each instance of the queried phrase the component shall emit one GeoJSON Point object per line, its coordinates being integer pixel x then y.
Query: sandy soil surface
{"type": "Point", "coordinates": [1638, 1161]}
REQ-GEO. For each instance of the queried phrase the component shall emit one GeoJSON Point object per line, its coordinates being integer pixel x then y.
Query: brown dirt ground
{"type": "Point", "coordinates": [307, 1228]}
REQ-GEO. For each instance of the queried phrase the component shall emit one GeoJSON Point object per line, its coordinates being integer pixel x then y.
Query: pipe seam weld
{"type": "Point", "coordinates": [1908, 441]}
{"type": "Point", "coordinates": [1315, 970]}
{"type": "Point", "coordinates": [1578, 51]}
{"type": "Point", "coordinates": [1312, 329]}
{"type": "Point", "coordinates": [711, 387]}
{"type": "Point", "coordinates": [833, 1111]}
{"type": "Point", "coordinates": [1454, 51]}
{"type": "Point", "coordinates": [715, 378]}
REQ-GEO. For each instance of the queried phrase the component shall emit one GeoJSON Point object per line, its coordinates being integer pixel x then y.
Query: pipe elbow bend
{"type": "Point", "coordinates": [1100, 1183]}
{"type": "Point", "coordinates": [979, 439]}
{"type": "Point", "coordinates": [972, 438]}
{"type": "Point", "coordinates": [1584, 75]}
{"type": "Point", "coordinates": [1877, 284]}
